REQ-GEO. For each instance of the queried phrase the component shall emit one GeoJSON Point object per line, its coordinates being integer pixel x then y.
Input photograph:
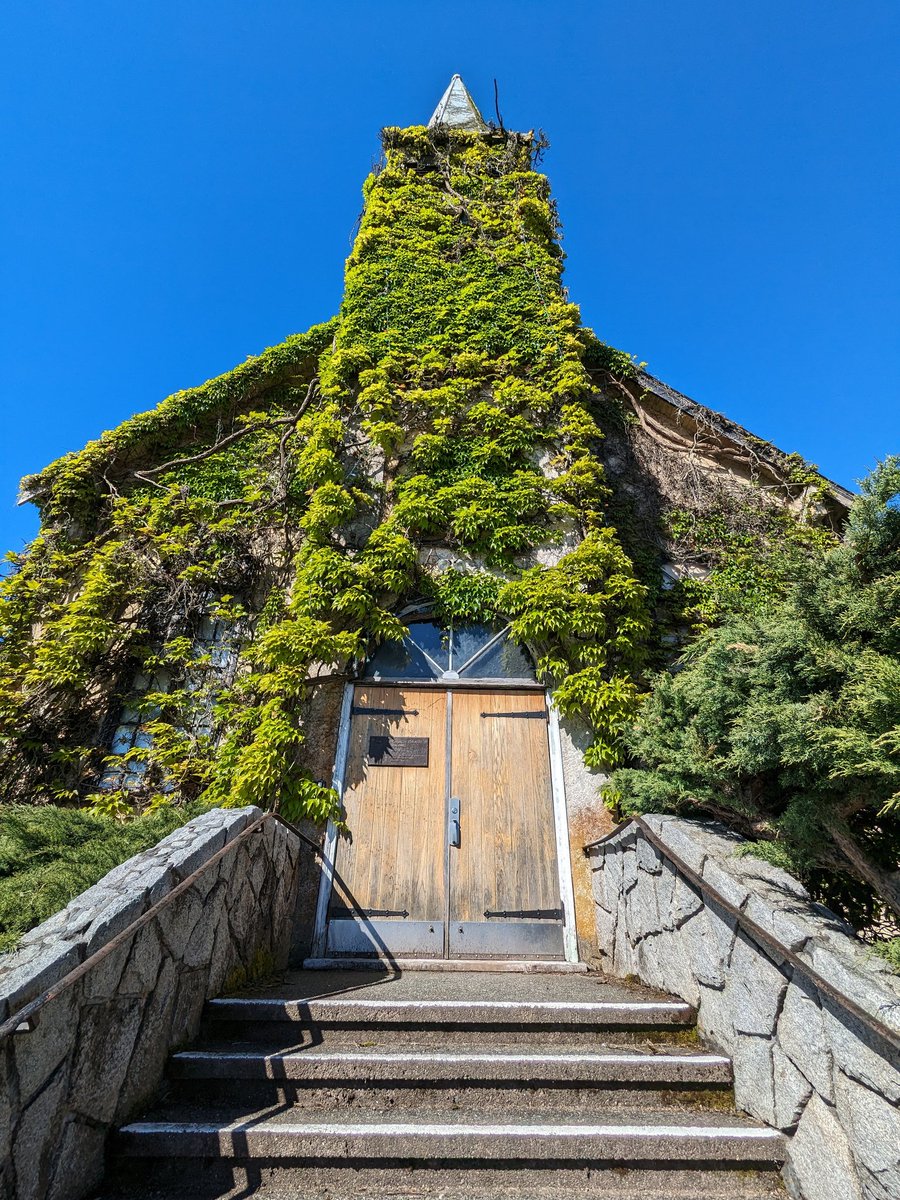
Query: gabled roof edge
{"type": "Point", "coordinates": [728, 428]}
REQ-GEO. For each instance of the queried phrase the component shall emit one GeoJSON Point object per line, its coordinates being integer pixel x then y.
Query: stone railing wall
{"type": "Point", "coordinates": [93, 1000]}
{"type": "Point", "coordinates": [809, 1016]}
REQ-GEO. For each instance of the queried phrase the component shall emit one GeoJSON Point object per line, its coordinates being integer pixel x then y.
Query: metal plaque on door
{"type": "Point", "coordinates": [385, 750]}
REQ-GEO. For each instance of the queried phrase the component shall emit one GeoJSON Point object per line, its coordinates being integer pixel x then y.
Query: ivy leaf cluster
{"type": "Point", "coordinates": [293, 499]}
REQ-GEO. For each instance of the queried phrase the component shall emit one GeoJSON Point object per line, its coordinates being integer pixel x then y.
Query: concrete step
{"type": "Point", "coordinates": [365, 1012]}
{"type": "Point", "coordinates": [273, 1036]}
{"type": "Point", "coordinates": [499, 1079]}
{"type": "Point", "coordinates": [672, 1067]}
{"type": "Point", "coordinates": [132, 1179]}
{"type": "Point", "coordinates": [663, 1137]}
{"type": "Point", "coordinates": [227, 1180]}
{"type": "Point", "coordinates": [445, 966]}
{"type": "Point", "coordinates": [451, 1101]}
{"type": "Point", "coordinates": [483, 984]}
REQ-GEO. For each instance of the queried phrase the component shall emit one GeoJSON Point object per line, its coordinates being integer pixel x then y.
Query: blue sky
{"type": "Point", "coordinates": [180, 183]}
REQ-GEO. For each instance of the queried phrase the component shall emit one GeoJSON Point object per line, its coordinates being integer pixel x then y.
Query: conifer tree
{"type": "Point", "coordinates": [785, 724]}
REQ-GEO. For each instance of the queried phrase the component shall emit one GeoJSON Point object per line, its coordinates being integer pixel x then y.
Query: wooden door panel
{"type": "Point", "coordinates": [393, 859]}
{"type": "Point", "coordinates": [501, 774]}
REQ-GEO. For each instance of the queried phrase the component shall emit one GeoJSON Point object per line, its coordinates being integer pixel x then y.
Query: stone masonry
{"type": "Point", "coordinates": [804, 1062]}
{"type": "Point", "coordinates": [95, 1050]}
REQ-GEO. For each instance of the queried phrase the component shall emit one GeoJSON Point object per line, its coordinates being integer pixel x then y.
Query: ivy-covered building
{"type": "Point", "coordinates": [401, 573]}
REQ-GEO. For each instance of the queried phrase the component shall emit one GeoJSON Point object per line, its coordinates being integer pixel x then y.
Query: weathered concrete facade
{"type": "Point", "coordinates": [214, 904]}
{"type": "Point", "coordinates": [588, 818]}
{"type": "Point", "coordinates": [809, 1016]}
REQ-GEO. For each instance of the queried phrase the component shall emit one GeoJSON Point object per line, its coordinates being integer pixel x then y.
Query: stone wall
{"type": "Point", "coordinates": [804, 1058]}
{"type": "Point", "coordinates": [588, 818]}
{"type": "Point", "coordinates": [98, 1046]}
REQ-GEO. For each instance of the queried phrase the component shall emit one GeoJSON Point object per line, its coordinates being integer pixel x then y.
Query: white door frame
{"type": "Point", "coordinates": [329, 850]}
{"type": "Point", "coordinates": [561, 823]}
{"type": "Point", "coordinates": [560, 819]}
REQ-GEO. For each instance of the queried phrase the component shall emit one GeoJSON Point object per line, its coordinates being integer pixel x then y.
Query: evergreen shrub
{"type": "Point", "coordinates": [784, 722]}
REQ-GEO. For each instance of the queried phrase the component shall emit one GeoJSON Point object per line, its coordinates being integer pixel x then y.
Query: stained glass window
{"type": "Point", "coordinates": [432, 651]}
{"type": "Point", "coordinates": [214, 641]}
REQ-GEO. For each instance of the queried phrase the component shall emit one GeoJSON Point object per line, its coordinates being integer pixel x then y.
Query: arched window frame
{"type": "Point", "coordinates": [456, 668]}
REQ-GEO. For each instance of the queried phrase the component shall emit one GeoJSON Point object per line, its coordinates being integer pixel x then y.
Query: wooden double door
{"type": "Point", "coordinates": [450, 842]}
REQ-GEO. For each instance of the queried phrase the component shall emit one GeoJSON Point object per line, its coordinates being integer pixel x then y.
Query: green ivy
{"type": "Point", "coordinates": [449, 403]}
{"type": "Point", "coordinates": [751, 547]}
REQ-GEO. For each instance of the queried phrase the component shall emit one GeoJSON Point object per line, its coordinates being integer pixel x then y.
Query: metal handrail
{"type": "Point", "coordinates": [307, 841]}
{"type": "Point", "coordinates": [757, 932]}
{"type": "Point", "coordinates": [26, 1018]}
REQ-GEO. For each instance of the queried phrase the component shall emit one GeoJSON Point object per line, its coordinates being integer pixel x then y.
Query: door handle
{"type": "Point", "coordinates": [453, 830]}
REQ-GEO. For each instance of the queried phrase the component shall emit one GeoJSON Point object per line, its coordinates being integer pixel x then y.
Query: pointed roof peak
{"type": "Point", "coordinates": [457, 109]}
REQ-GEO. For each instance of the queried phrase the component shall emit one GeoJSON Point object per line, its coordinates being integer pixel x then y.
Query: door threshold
{"type": "Point", "coordinates": [512, 966]}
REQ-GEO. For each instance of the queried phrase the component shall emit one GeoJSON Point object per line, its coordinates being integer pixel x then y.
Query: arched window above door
{"type": "Point", "coordinates": [432, 651]}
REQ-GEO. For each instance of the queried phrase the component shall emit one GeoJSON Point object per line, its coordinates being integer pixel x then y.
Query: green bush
{"type": "Point", "coordinates": [889, 950]}
{"type": "Point", "coordinates": [48, 855]}
{"type": "Point", "coordinates": [785, 723]}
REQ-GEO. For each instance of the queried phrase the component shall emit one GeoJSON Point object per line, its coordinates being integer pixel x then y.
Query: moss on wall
{"type": "Point", "coordinates": [448, 403]}
{"type": "Point", "coordinates": [204, 569]}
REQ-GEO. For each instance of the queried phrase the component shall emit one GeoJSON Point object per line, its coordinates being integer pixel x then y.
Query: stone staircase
{"type": "Point", "coordinates": [438, 1084]}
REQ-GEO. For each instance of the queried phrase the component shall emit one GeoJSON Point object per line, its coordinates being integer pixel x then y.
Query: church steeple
{"type": "Point", "coordinates": [457, 109]}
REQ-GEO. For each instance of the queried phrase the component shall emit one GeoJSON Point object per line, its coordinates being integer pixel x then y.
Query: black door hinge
{"type": "Point", "coordinates": [383, 712]}
{"type": "Point", "coordinates": [530, 914]}
{"type": "Point", "coordinates": [530, 715]}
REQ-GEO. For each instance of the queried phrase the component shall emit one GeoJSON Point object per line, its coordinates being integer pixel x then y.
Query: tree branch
{"type": "Point", "coordinates": [232, 437]}
{"type": "Point", "coordinates": [886, 884]}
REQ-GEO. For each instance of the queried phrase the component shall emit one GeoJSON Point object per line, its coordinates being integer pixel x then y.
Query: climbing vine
{"type": "Point", "coordinates": [287, 505]}
{"type": "Point", "coordinates": [733, 517]}
{"type": "Point", "coordinates": [751, 549]}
